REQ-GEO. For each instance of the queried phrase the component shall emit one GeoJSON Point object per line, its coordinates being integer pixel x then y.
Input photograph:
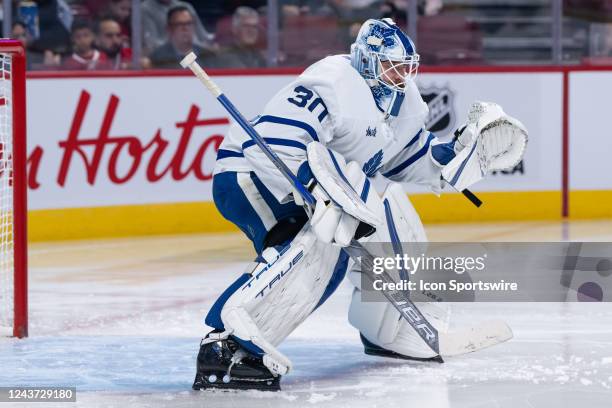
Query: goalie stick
{"type": "Point", "coordinates": [445, 345]}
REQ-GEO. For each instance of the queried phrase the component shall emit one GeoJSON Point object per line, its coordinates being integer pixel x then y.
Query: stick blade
{"type": "Point", "coordinates": [188, 59]}
{"type": "Point", "coordinates": [474, 338]}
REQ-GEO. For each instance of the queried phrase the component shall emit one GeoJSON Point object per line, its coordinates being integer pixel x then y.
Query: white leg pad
{"type": "Point", "coordinates": [380, 322]}
{"type": "Point", "coordinates": [280, 295]}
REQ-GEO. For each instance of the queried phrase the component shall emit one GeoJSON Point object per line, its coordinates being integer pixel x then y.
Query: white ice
{"type": "Point", "coordinates": [121, 320]}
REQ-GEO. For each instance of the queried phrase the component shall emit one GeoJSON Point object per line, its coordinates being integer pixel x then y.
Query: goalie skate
{"type": "Point", "coordinates": [223, 364]}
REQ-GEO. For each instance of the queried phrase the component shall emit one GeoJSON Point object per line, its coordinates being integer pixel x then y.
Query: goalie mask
{"type": "Point", "coordinates": [386, 58]}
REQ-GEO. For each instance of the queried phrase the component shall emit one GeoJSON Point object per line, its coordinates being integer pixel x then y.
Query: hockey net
{"type": "Point", "coordinates": [13, 257]}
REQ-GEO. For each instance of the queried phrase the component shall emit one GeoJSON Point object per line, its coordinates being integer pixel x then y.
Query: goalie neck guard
{"type": "Point", "coordinates": [386, 58]}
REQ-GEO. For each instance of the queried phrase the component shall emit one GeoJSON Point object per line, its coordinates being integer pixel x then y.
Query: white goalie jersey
{"type": "Point", "coordinates": [331, 103]}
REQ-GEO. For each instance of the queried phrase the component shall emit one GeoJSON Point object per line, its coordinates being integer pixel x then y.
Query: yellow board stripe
{"type": "Point", "coordinates": [126, 220]}
{"type": "Point", "coordinates": [497, 206]}
{"type": "Point", "coordinates": [590, 204]}
{"type": "Point", "coordinates": [157, 219]}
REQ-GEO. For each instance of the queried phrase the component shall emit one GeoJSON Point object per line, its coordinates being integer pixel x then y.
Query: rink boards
{"type": "Point", "coordinates": [133, 154]}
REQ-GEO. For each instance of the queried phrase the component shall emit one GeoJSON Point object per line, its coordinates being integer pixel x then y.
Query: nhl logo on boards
{"type": "Point", "coordinates": [440, 100]}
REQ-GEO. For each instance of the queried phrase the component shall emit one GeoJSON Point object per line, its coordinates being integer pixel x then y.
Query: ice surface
{"type": "Point", "coordinates": [121, 320]}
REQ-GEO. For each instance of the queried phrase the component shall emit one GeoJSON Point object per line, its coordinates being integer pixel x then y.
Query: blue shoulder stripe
{"type": "Point", "coordinates": [411, 159]}
{"type": "Point", "coordinates": [289, 122]}
{"type": "Point", "coordinates": [276, 141]}
{"type": "Point", "coordinates": [223, 153]}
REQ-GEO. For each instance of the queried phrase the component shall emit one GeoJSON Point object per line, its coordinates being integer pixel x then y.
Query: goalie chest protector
{"type": "Point", "coordinates": [359, 130]}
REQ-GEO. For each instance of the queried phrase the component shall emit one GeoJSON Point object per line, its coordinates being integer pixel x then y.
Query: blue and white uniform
{"type": "Point", "coordinates": [363, 110]}
{"type": "Point", "coordinates": [344, 120]}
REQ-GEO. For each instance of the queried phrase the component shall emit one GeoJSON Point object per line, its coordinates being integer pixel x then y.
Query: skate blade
{"type": "Point", "coordinates": [272, 384]}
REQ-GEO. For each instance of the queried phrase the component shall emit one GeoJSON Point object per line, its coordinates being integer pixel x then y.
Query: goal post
{"type": "Point", "coordinates": [13, 191]}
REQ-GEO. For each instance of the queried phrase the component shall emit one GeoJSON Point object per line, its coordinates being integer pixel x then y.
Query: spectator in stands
{"type": "Point", "coordinates": [110, 42]}
{"type": "Point", "coordinates": [54, 19]}
{"type": "Point", "coordinates": [19, 32]}
{"type": "Point", "coordinates": [46, 59]}
{"type": "Point", "coordinates": [244, 51]}
{"type": "Point", "coordinates": [180, 26]}
{"type": "Point", "coordinates": [84, 56]}
{"type": "Point", "coordinates": [121, 11]}
{"type": "Point", "coordinates": [154, 24]}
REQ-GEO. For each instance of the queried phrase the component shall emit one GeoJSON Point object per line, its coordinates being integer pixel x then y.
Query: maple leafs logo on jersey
{"type": "Point", "coordinates": [371, 132]}
{"type": "Point", "coordinates": [371, 166]}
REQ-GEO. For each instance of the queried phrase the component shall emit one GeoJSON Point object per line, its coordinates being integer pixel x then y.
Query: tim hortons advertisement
{"type": "Point", "coordinates": [129, 140]}
{"type": "Point", "coordinates": [139, 140]}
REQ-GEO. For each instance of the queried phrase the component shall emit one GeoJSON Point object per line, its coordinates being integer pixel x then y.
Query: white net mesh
{"type": "Point", "coordinates": [6, 195]}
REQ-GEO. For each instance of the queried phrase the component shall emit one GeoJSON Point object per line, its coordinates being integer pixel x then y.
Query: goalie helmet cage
{"type": "Point", "coordinates": [13, 193]}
